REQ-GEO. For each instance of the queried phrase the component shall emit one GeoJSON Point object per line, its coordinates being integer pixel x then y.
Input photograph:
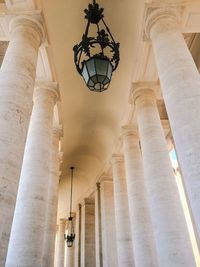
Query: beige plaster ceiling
{"type": "Point", "coordinates": [91, 120]}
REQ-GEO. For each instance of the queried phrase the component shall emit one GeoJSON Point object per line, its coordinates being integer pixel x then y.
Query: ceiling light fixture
{"type": "Point", "coordinates": [96, 57]}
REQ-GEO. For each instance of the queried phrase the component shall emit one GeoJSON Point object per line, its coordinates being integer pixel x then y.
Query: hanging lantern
{"type": "Point", "coordinates": [96, 57]}
{"type": "Point", "coordinates": [69, 238]}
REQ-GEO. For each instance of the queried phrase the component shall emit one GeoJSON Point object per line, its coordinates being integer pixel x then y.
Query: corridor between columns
{"type": "Point", "coordinates": [126, 205]}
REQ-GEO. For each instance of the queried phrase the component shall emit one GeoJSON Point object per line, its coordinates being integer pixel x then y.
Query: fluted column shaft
{"type": "Point", "coordinates": [180, 83]}
{"type": "Point", "coordinates": [61, 244]}
{"type": "Point", "coordinates": [108, 223]}
{"type": "Point", "coordinates": [141, 224]}
{"type": "Point", "coordinates": [17, 77]}
{"type": "Point", "coordinates": [27, 235]}
{"type": "Point", "coordinates": [51, 214]}
{"type": "Point", "coordinates": [123, 230]}
{"type": "Point", "coordinates": [170, 230]}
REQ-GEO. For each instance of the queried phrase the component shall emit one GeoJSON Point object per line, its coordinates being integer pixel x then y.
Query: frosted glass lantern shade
{"type": "Point", "coordinates": [97, 73]}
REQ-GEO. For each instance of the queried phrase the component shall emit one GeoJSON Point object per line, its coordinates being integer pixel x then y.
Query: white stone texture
{"type": "Point", "coordinates": [141, 224]}
{"type": "Point", "coordinates": [122, 219]}
{"type": "Point", "coordinates": [109, 246]}
{"type": "Point", "coordinates": [51, 215]}
{"type": "Point", "coordinates": [56, 242]}
{"type": "Point", "coordinates": [77, 242]}
{"type": "Point", "coordinates": [180, 83]}
{"type": "Point", "coordinates": [27, 234]}
{"type": "Point", "coordinates": [170, 230]}
{"type": "Point", "coordinates": [98, 227]}
{"type": "Point", "coordinates": [70, 256]}
{"type": "Point", "coordinates": [60, 257]}
{"type": "Point", "coordinates": [88, 257]}
{"type": "Point", "coordinates": [17, 79]}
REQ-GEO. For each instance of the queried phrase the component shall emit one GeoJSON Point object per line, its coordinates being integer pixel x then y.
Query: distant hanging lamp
{"type": "Point", "coordinates": [69, 238]}
{"type": "Point", "coordinates": [96, 57]}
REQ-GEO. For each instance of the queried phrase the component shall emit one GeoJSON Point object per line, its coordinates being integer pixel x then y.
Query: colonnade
{"type": "Point", "coordinates": [32, 239]}
{"type": "Point", "coordinates": [136, 218]}
{"type": "Point", "coordinates": [17, 78]}
{"type": "Point", "coordinates": [180, 83]}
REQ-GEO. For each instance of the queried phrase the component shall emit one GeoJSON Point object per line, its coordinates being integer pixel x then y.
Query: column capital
{"type": "Point", "coordinates": [145, 91]}
{"type": "Point", "coordinates": [73, 215]}
{"type": "Point", "coordinates": [78, 209]}
{"type": "Point", "coordinates": [88, 201]}
{"type": "Point", "coordinates": [165, 18]}
{"type": "Point", "coordinates": [60, 174]}
{"type": "Point", "coordinates": [28, 22]}
{"type": "Point", "coordinates": [60, 157]}
{"type": "Point", "coordinates": [62, 221]}
{"type": "Point", "coordinates": [129, 130]}
{"type": "Point", "coordinates": [105, 178]}
{"type": "Point", "coordinates": [58, 131]}
{"type": "Point", "coordinates": [98, 185]}
{"type": "Point", "coordinates": [47, 89]}
{"type": "Point", "coordinates": [117, 159]}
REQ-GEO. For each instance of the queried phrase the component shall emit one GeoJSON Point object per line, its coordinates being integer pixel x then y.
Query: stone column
{"type": "Point", "coordinates": [56, 242]}
{"type": "Point", "coordinates": [141, 224]}
{"type": "Point", "coordinates": [61, 244]}
{"type": "Point", "coordinates": [170, 230]}
{"type": "Point", "coordinates": [70, 253]}
{"type": "Point", "coordinates": [180, 83]}
{"type": "Point", "coordinates": [109, 246]}
{"type": "Point", "coordinates": [17, 79]}
{"type": "Point", "coordinates": [51, 214]}
{"type": "Point", "coordinates": [98, 226]}
{"type": "Point", "coordinates": [88, 234]}
{"type": "Point", "coordinates": [77, 260]}
{"type": "Point", "coordinates": [123, 229]}
{"type": "Point", "coordinates": [27, 235]}
{"type": "Point", "coordinates": [77, 242]}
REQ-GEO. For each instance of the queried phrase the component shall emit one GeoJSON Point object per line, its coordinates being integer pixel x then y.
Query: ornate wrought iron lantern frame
{"type": "Point", "coordinates": [103, 41]}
